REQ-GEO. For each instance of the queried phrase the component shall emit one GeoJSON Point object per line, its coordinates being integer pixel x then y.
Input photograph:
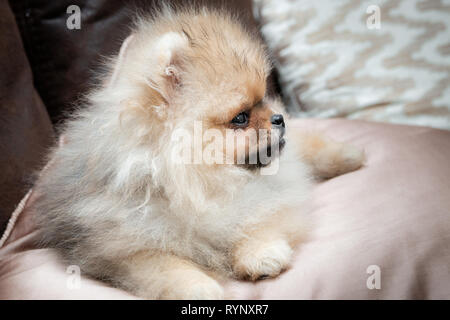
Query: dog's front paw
{"type": "Point", "coordinates": [205, 290]}
{"type": "Point", "coordinates": [189, 285]}
{"type": "Point", "coordinates": [262, 260]}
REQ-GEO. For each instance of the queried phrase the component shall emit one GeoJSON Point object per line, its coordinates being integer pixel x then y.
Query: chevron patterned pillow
{"type": "Point", "coordinates": [376, 60]}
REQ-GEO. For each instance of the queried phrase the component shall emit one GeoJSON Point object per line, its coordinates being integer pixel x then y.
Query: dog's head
{"type": "Point", "coordinates": [199, 77]}
{"type": "Point", "coordinates": [202, 67]}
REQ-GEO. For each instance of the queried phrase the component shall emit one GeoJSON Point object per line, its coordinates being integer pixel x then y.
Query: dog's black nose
{"type": "Point", "coordinates": [277, 120]}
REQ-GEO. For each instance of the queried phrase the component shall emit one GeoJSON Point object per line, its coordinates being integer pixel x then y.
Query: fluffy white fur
{"type": "Point", "coordinates": [115, 203]}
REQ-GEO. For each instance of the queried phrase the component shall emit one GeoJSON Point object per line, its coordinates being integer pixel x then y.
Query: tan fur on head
{"type": "Point", "coordinates": [191, 65]}
{"type": "Point", "coordinates": [117, 204]}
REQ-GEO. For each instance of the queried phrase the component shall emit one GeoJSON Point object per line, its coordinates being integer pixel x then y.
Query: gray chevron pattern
{"type": "Point", "coordinates": [332, 64]}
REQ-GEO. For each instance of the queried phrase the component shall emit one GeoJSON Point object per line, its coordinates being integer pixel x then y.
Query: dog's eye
{"type": "Point", "coordinates": [241, 119]}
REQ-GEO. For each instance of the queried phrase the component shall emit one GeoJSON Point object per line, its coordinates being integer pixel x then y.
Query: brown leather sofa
{"type": "Point", "coordinates": [46, 67]}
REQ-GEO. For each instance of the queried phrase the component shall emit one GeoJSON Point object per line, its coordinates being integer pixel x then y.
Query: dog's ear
{"type": "Point", "coordinates": [120, 59]}
{"type": "Point", "coordinates": [154, 63]}
{"type": "Point", "coordinates": [169, 50]}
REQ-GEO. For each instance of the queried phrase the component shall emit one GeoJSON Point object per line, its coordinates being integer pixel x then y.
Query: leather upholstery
{"type": "Point", "coordinates": [25, 128]}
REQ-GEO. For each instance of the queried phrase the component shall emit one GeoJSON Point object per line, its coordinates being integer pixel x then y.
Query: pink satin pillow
{"type": "Point", "coordinates": [384, 226]}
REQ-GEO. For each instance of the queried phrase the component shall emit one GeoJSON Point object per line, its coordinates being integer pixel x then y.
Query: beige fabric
{"type": "Point", "coordinates": [332, 64]}
{"type": "Point", "coordinates": [13, 219]}
{"type": "Point", "coordinates": [393, 213]}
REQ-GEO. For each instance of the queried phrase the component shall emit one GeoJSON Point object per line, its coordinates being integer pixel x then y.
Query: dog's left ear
{"type": "Point", "coordinates": [156, 64]}
{"type": "Point", "coordinates": [169, 50]}
{"type": "Point", "coordinates": [120, 59]}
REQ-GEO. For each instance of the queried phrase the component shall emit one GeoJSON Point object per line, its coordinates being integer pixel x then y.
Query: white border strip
{"type": "Point", "coordinates": [15, 215]}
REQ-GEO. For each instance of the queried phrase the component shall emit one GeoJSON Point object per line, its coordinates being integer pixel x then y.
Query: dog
{"type": "Point", "coordinates": [118, 202]}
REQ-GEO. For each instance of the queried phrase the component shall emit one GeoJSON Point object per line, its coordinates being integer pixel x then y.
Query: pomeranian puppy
{"type": "Point", "coordinates": [118, 202]}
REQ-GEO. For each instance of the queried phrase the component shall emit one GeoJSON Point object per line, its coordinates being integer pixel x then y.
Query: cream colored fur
{"type": "Point", "coordinates": [115, 203]}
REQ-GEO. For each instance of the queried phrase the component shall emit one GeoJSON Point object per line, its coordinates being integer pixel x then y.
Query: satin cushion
{"type": "Point", "coordinates": [386, 225]}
